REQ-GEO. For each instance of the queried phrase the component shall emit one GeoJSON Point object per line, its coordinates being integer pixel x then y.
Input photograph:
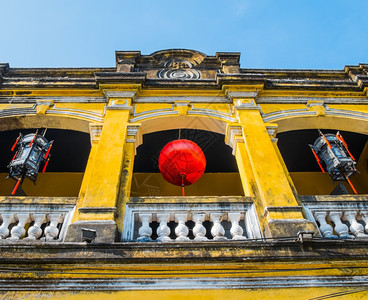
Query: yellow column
{"type": "Point", "coordinates": [95, 133]}
{"type": "Point", "coordinates": [134, 139]}
{"type": "Point", "coordinates": [275, 199]}
{"type": "Point", "coordinates": [101, 185]}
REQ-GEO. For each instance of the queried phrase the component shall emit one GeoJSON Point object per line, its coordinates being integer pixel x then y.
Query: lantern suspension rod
{"type": "Point", "coordinates": [44, 132]}
{"type": "Point", "coordinates": [179, 133]}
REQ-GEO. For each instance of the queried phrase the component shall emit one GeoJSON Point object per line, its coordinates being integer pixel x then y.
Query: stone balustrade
{"type": "Point", "coordinates": [344, 219]}
{"type": "Point", "coordinates": [32, 220]}
{"type": "Point", "coordinates": [196, 222]}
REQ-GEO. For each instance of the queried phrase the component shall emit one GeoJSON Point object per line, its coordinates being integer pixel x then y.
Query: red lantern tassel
{"type": "Point", "coordinates": [33, 139]}
{"type": "Point", "coordinates": [48, 150]}
{"type": "Point", "coordinates": [15, 187]}
{"type": "Point", "coordinates": [44, 167]}
{"type": "Point", "coordinates": [182, 184]}
{"type": "Point", "coordinates": [16, 142]}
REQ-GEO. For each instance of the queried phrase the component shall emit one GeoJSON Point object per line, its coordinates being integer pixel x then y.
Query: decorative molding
{"type": "Point", "coordinates": [18, 111]}
{"type": "Point", "coordinates": [43, 105]}
{"type": "Point", "coordinates": [242, 94]}
{"type": "Point", "coordinates": [56, 99]}
{"type": "Point", "coordinates": [160, 113]}
{"type": "Point", "coordinates": [95, 132]}
{"type": "Point", "coordinates": [134, 135]}
{"type": "Point", "coordinates": [184, 283]}
{"type": "Point", "coordinates": [135, 114]}
{"type": "Point", "coordinates": [91, 116]}
{"type": "Point", "coordinates": [284, 114]}
{"type": "Point", "coordinates": [178, 69]}
{"type": "Point", "coordinates": [117, 105]}
{"type": "Point", "coordinates": [312, 103]}
{"type": "Point", "coordinates": [120, 94]}
{"type": "Point", "coordinates": [234, 135]}
{"type": "Point", "coordinates": [97, 210]}
{"type": "Point", "coordinates": [247, 104]}
{"type": "Point", "coordinates": [272, 129]}
{"type": "Point", "coordinates": [192, 99]}
{"type": "Point", "coordinates": [303, 100]}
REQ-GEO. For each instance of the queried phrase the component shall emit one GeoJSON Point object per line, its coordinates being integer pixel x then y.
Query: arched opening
{"type": "Point", "coordinates": [65, 170]}
{"type": "Point", "coordinates": [304, 170]}
{"type": "Point", "coordinates": [221, 177]}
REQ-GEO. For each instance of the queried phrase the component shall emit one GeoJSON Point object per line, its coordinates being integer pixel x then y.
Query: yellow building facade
{"type": "Point", "coordinates": [243, 230]}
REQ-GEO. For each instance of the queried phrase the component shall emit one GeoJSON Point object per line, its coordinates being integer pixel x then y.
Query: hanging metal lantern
{"type": "Point", "coordinates": [333, 152]}
{"type": "Point", "coordinates": [33, 150]}
{"type": "Point", "coordinates": [182, 162]}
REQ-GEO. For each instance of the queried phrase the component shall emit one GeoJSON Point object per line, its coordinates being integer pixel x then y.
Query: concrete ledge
{"type": "Point", "coordinates": [106, 231]}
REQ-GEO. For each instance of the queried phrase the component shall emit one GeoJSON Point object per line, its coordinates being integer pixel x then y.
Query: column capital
{"type": "Point", "coordinates": [234, 135]}
{"type": "Point", "coordinates": [95, 132]}
{"type": "Point", "coordinates": [134, 135]}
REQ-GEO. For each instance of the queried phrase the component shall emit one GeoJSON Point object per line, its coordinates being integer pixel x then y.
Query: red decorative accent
{"type": "Point", "coordinates": [44, 167]}
{"type": "Point", "coordinates": [317, 159]}
{"type": "Point", "coordinates": [339, 136]}
{"type": "Point", "coordinates": [15, 187]}
{"type": "Point", "coordinates": [16, 142]}
{"type": "Point", "coordinates": [48, 150]}
{"type": "Point", "coordinates": [182, 162]}
{"type": "Point", "coordinates": [33, 139]}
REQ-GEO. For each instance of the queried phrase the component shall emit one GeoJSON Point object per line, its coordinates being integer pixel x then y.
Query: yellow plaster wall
{"type": "Point", "coordinates": [210, 184]}
{"type": "Point", "coordinates": [48, 184]}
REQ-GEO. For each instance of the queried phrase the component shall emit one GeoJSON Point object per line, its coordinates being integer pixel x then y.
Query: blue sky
{"type": "Point", "coordinates": [297, 34]}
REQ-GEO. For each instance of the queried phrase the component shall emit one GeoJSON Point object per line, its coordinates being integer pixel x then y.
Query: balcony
{"type": "Point", "coordinates": [190, 219]}
{"type": "Point", "coordinates": [35, 218]}
{"type": "Point", "coordinates": [338, 216]}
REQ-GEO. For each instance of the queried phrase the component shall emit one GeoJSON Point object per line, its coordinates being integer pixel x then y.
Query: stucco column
{"type": "Point", "coordinates": [102, 183]}
{"type": "Point", "coordinates": [276, 204]}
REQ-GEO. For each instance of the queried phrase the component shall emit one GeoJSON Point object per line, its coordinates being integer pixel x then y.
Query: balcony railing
{"type": "Point", "coordinates": [37, 218]}
{"type": "Point", "coordinates": [338, 216]}
{"type": "Point", "coordinates": [185, 219]}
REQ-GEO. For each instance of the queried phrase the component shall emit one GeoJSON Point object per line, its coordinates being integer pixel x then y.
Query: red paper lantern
{"type": "Point", "coordinates": [182, 162]}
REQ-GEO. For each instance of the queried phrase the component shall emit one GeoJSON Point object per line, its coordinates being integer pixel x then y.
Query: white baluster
{"type": "Point", "coordinates": [4, 231]}
{"type": "Point", "coordinates": [51, 231]}
{"type": "Point", "coordinates": [199, 231]}
{"type": "Point", "coordinates": [18, 231]}
{"type": "Point", "coordinates": [35, 231]}
{"type": "Point", "coordinates": [325, 228]}
{"type": "Point", "coordinates": [364, 214]}
{"type": "Point", "coordinates": [163, 231]}
{"type": "Point", "coordinates": [217, 230]}
{"type": "Point", "coordinates": [145, 231]}
{"type": "Point", "coordinates": [355, 227]}
{"type": "Point", "coordinates": [340, 228]}
{"type": "Point", "coordinates": [181, 230]}
{"type": "Point", "coordinates": [236, 230]}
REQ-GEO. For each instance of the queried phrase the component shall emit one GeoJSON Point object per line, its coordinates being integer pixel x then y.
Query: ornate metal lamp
{"type": "Point", "coordinates": [333, 151]}
{"type": "Point", "coordinates": [33, 150]}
